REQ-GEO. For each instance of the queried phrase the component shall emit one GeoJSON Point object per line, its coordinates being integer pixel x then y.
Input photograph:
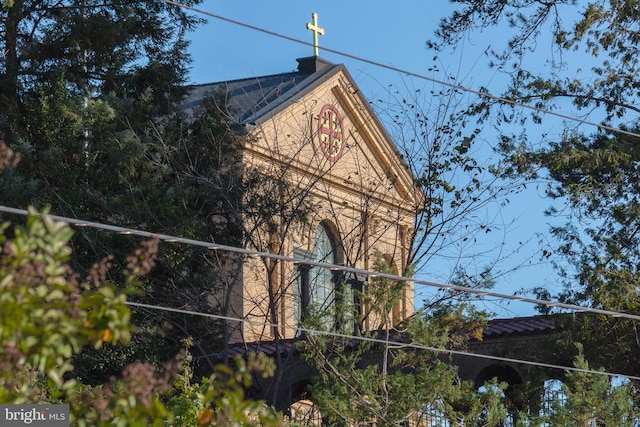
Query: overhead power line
{"type": "Point", "coordinates": [333, 267]}
{"type": "Point", "coordinates": [480, 93]}
{"type": "Point", "coordinates": [381, 341]}
{"type": "Point", "coordinates": [213, 246]}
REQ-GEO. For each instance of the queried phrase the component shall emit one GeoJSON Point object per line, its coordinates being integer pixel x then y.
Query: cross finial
{"type": "Point", "coordinates": [313, 26]}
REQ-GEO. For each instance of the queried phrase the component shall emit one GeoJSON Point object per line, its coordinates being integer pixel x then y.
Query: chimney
{"type": "Point", "coordinates": [312, 64]}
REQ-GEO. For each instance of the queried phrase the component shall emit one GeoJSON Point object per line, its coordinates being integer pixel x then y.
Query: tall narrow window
{"type": "Point", "coordinates": [553, 396]}
{"type": "Point", "coordinates": [322, 292]}
{"type": "Point", "coordinates": [302, 288]}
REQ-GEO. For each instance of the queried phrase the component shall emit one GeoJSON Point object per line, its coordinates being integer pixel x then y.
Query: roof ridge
{"type": "Point", "coordinates": [197, 85]}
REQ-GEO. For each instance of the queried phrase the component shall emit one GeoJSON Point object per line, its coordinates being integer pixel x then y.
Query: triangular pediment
{"type": "Point", "coordinates": [320, 159]}
{"type": "Point", "coordinates": [318, 121]}
{"type": "Point", "coordinates": [341, 139]}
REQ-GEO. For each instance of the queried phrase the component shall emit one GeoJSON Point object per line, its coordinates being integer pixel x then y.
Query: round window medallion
{"type": "Point", "coordinates": [331, 133]}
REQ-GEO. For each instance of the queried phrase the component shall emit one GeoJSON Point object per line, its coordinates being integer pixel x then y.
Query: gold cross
{"type": "Point", "coordinates": [313, 26]}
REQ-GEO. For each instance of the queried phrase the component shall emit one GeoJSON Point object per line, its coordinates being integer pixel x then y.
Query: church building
{"type": "Point", "coordinates": [331, 198]}
{"type": "Point", "coordinates": [346, 199]}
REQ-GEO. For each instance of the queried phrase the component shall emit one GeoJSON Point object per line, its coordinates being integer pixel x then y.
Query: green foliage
{"type": "Point", "coordinates": [49, 316]}
{"type": "Point", "coordinates": [225, 391]}
{"type": "Point", "coordinates": [176, 175]}
{"type": "Point", "coordinates": [129, 50]}
{"type": "Point", "coordinates": [599, 178]}
{"type": "Point", "coordinates": [388, 381]}
{"type": "Point", "coordinates": [145, 396]}
{"type": "Point", "coordinates": [92, 93]}
{"type": "Point", "coordinates": [592, 177]}
{"type": "Point", "coordinates": [588, 400]}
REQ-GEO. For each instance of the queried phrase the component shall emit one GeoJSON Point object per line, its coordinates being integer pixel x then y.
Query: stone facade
{"type": "Point", "coordinates": [347, 198]}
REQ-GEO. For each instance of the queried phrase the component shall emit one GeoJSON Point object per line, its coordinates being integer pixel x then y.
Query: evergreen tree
{"type": "Point", "coordinates": [127, 50]}
{"type": "Point", "coordinates": [383, 377]}
{"type": "Point", "coordinates": [594, 400]}
{"type": "Point", "coordinates": [91, 93]}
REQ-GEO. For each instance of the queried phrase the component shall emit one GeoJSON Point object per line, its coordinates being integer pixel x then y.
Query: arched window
{"type": "Point", "coordinates": [316, 292]}
{"type": "Point", "coordinates": [324, 292]}
{"type": "Point", "coordinates": [322, 279]}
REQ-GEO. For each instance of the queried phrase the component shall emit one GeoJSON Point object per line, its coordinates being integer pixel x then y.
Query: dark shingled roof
{"type": "Point", "coordinates": [520, 326]}
{"type": "Point", "coordinates": [269, 347]}
{"type": "Point", "coordinates": [251, 99]}
{"type": "Point", "coordinates": [266, 347]}
{"type": "Point", "coordinates": [495, 328]}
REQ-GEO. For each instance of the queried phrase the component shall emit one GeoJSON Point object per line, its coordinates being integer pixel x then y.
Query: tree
{"type": "Point", "coordinates": [444, 153]}
{"type": "Point", "coordinates": [86, 123]}
{"type": "Point", "coordinates": [84, 85]}
{"type": "Point", "coordinates": [50, 314]}
{"type": "Point", "coordinates": [594, 400]}
{"type": "Point", "coordinates": [382, 376]}
{"type": "Point", "coordinates": [582, 398]}
{"type": "Point", "coordinates": [137, 176]}
{"type": "Point", "coordinates": [595, 172]}
{"type": "Point", "coordinates": [130, 51]}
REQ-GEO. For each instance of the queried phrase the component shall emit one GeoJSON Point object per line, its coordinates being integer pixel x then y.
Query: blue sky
{"type": "Point", "coordinates": [391, 33]}
{"type": "Point", "coordinates": [378, 30]}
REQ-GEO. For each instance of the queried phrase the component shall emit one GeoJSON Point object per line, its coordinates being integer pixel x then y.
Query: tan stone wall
{"type": "Point", "coordinates": [366, 195]}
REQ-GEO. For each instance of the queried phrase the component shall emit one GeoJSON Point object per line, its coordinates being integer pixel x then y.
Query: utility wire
{"type": "Point", "coordinates": [381, 341]}
{"type": "Point", "coordinates": [480, 93]}
{"type": "Point", "coordinates": [332, 267]}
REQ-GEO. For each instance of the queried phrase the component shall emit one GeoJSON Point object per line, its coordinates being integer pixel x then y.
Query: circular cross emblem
{"type": "Point", "coordinates": [331, 133]}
